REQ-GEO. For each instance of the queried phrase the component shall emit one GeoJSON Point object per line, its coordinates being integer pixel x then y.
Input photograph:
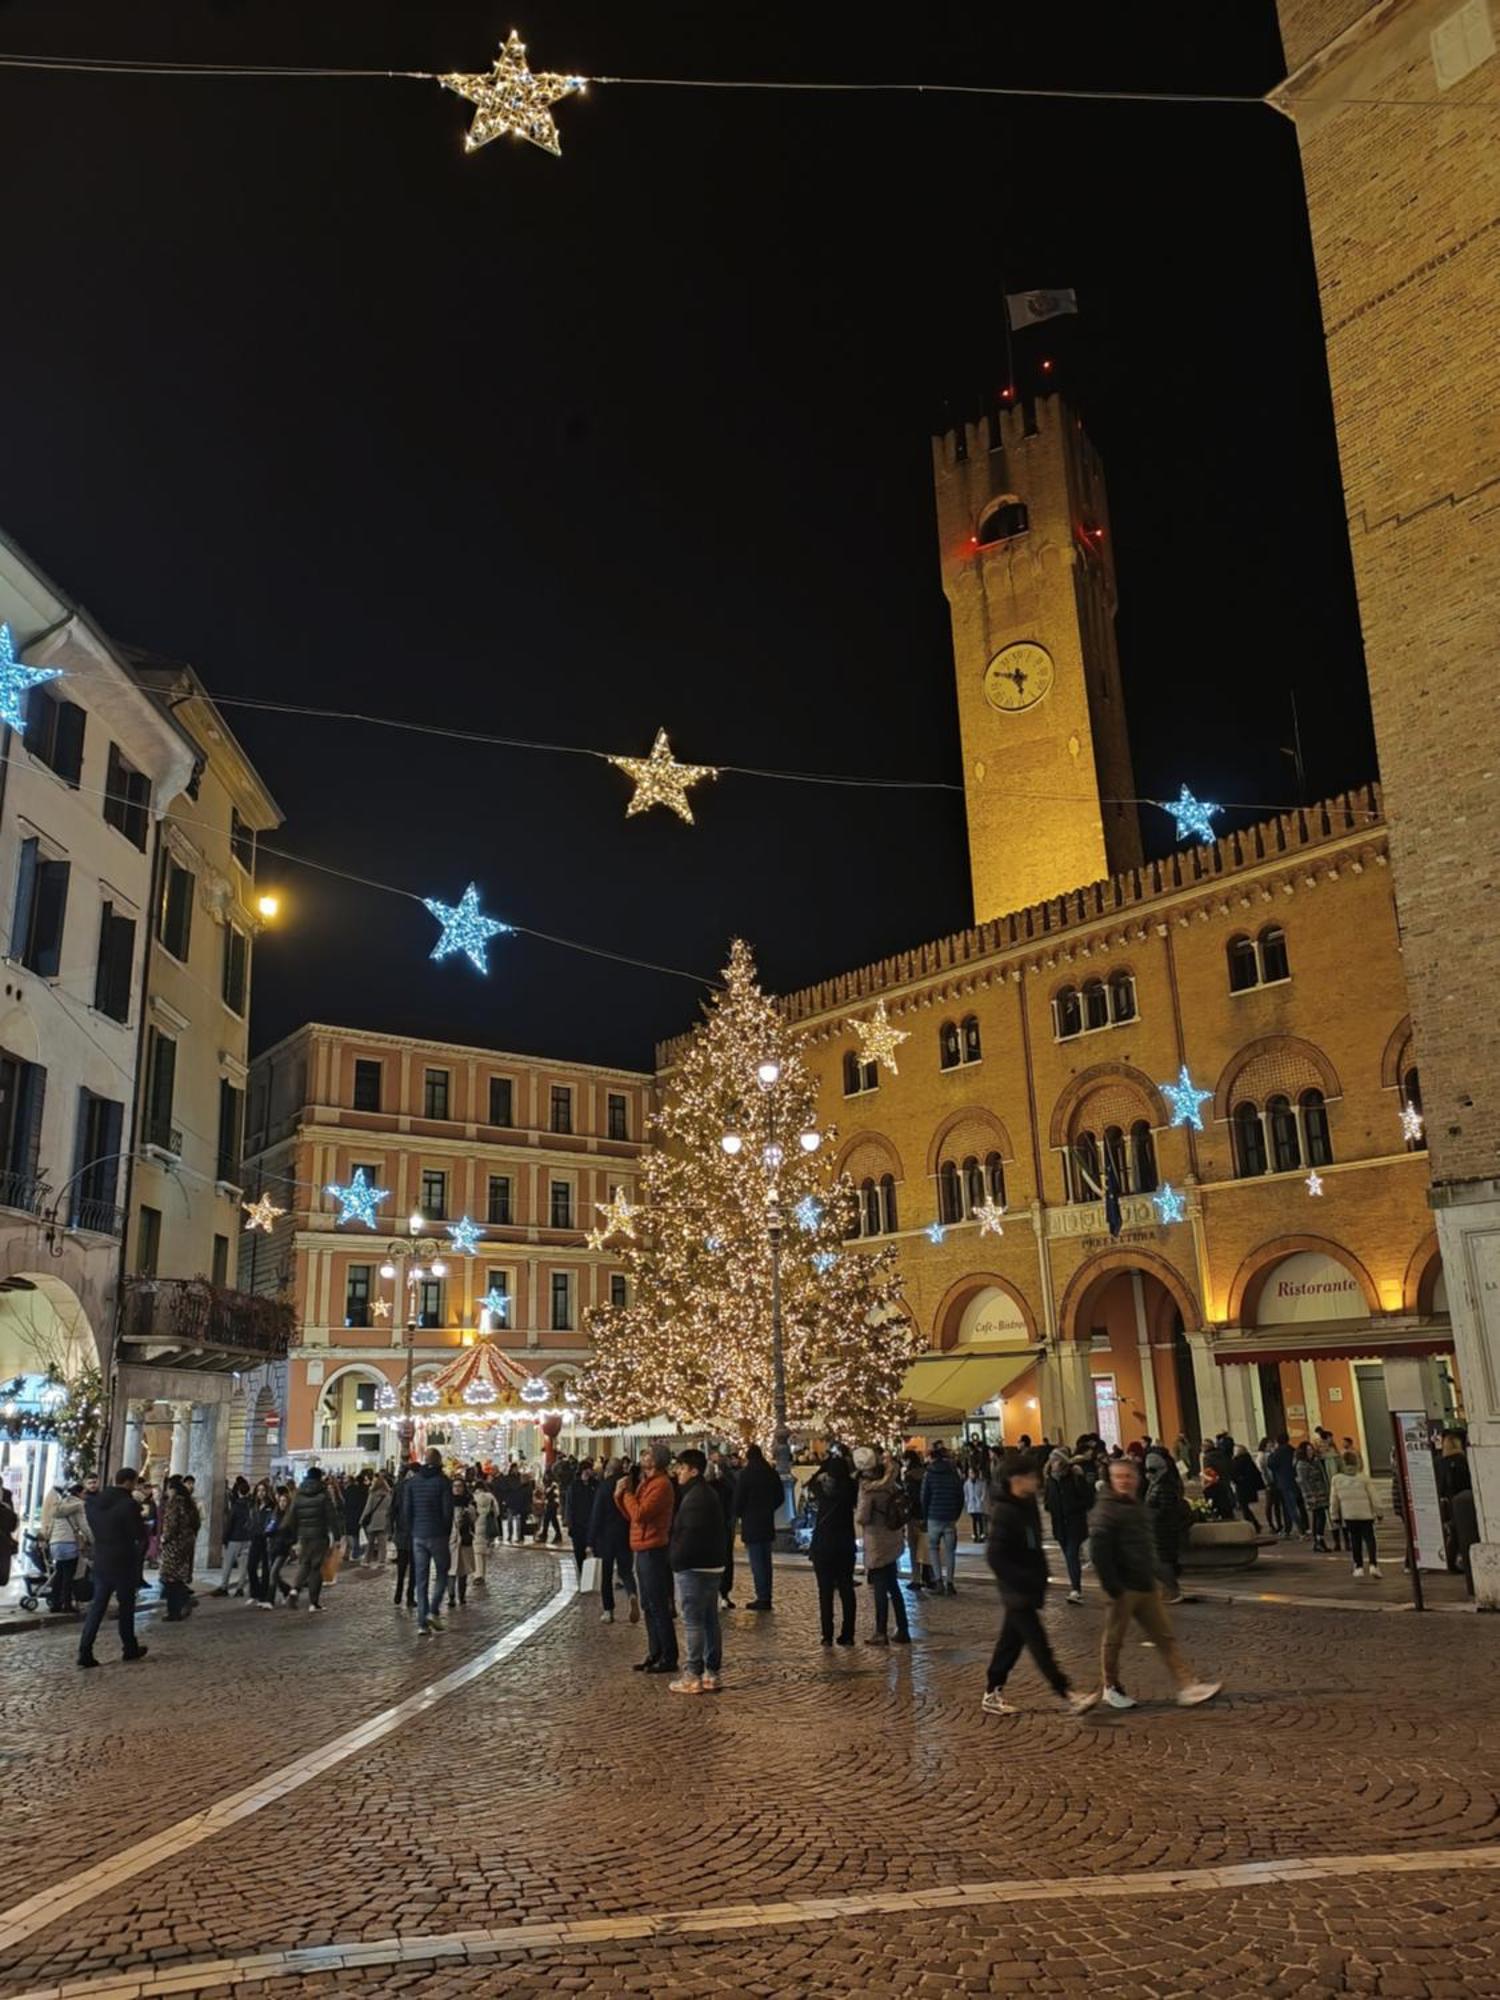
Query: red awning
{"type": "Point", "coordinates": [1344, 1342]}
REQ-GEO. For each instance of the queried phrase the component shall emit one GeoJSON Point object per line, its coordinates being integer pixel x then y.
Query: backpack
{"type": "Point", "coordinates": [897, 1506]}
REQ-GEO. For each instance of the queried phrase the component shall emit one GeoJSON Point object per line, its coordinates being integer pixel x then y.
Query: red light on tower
{"type": "Point", "coordinates": [1046, 367]}
{"type": "Point", "coordinates": [1008, 392]}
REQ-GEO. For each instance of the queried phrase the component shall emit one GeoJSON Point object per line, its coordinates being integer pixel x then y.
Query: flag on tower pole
{"type": "Point", "coordinates": [1031, 308]}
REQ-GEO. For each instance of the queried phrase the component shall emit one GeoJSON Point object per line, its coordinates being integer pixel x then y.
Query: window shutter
{"type": "Point", "coordinates": [25, 891]}
{"type": "Point", "coordinates": [67, 759]}
{"type": "Point", "coordinates": [34, 1088]}
{"type": "Point", "coordinates": [51, 909]}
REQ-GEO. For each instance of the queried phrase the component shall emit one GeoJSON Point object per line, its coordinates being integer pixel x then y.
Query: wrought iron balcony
{"type": "Point", "coordinates": [209, 1326]}
{"type": "Point", "coordinates": [105, 1217]}
{"type": "Point", "coordinates": [23, 1191]}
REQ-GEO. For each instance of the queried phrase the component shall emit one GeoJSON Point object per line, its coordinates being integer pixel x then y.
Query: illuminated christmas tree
{"type": "Point", "coordinates": [694, 1341]}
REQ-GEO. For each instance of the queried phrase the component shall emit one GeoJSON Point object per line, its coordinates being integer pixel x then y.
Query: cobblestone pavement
{"type": "Point", "coordinates": [560, 1787]}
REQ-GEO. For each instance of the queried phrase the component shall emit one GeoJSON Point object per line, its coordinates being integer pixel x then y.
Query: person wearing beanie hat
{"type": "Point", "coordinates": [1014, 1553]}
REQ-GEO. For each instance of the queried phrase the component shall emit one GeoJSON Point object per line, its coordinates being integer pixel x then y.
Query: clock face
{"type": "Point", "coordinates": [1018, 677]}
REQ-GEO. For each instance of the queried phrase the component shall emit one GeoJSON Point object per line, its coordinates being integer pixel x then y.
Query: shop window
{"type": "Point", "coordinates": [1286, 1145]}
{"type": "Point", "coordinates": [1249, 1141]}
{"type": "Point", "coordinates": [1318, 1141]}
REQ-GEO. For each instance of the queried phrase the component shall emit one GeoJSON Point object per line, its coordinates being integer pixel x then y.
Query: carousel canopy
{"type": "Point", "coordinates": [480, 1377]}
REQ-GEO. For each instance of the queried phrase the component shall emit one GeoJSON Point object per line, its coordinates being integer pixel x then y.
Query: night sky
{"type": "Point", "coordinates": [568, 449]}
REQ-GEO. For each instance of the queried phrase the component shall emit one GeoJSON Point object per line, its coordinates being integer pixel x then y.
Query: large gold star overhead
{"type": "Point", "coordinates": [511, 100]}
{"type": "Point", "coordinates": [878, 1040]}
{"type": "Point", "coordinates": [660, 780]}
{"type": "Point", "coordinates": [261, 1214]}
{"type": "Point", "coordinates": [619, 1216]}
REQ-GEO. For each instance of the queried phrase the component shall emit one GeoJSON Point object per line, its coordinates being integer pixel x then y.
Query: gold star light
{"type": "Point", "coordinates": [510, 99]}
{"type": "Point", "coordinates": [619, 1216]}
{"type": "Point", "coordinates": [988, 1215]}
{"type": "Point", "coordinates": [878, 1040]}
{"type": "Point", "coordinates": [261, 1214]}
{"type": "Point", "coordinates": [381, 1309]}
{"type": "Point", "coordinates": [660, 780]}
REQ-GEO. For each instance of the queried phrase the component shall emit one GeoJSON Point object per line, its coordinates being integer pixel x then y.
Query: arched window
{"type": "Point", "coordinates": [1244, 966]}
{"type": "Point", "coordinates": [1142, 1158]}
{"type": "Point", "coordinates": [1249, 1141]}
{"type": "Point", "coordinates": [994, 1173]}
{"type": "Point", "coordinates": [1001, 522]}
{"type": "Point", "coordinates": [973, 1184]}
{"type": "Point", "coordinates": [948, 1055]}
{"type": "Point", "coordinates": [1286, 1146]}
{"type": "Point", "coordinates": [950, 1193]}
{"type": "Point", "coordinates": [1122, 997]}
{"type": "Point", "coordinates": [1115, 1159]}
{"type": "Point", "coordinates": [888, 1203]}
{"type": "Point", "coordinates": [1317, 1140]}
{"type": "Point", "coordinates": [1095, 1005]}
{"type": "Point", "coordinates": [869, 1203]}
{"type": "Point", "coordinates": [1411, 1093]}
{"type": "Point", "coordinates": [1088, 1184]}
{"type": "Point", "coordinates": [1067, 1014]}
{"type": "Point", "coordinates": [1273, 958]}
{"type": "Point", "coordinates": [851, 1073]}
{"type": "Point", "coordinates": [970, 1033]}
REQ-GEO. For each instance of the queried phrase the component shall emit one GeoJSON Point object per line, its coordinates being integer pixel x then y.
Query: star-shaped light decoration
{"type": "Point", "coordinates": [17, 681]}
{"type": "Point", "coordinates": [497, 1305]}
{"type": "Point", "coordinates": [465, 928]}
{"type": "Point", "coordinates": [1194, 817]}
{"type": "Point", "coordinates": [1315, 1182]}
{"type": "Point", "coordinates": [1185, 1099]}
{"type": "Point", "coordinates": [936, 1231]}
{"type": "Point", "coordinates": [513, 100]}
{"type": "Point", "coordinates": [465, 1235]}
{"type": "Point", "coordinates": [1170, 1206]}
{"type": "Point", "coordinates": [261, 1214]}
{"type": "Point", "coordinates": [359, 1201]}
{"type": "Point", "coordinates": [878, 1040]}
{"type": "Point", "coordinates": [619, 1216]}
{"type": "Point", "coordinates": [808, 1213]}
{"type": "Point", "coordinates": [660, 780]}
{"type": "Point", "coordinates": [824, 1260]}
{"type": "Point", "coordinates": [381, 1309]}
{"type": "Point", "coordinates": [1413, 1124]}
{"type": "Point", "coordinates": [988, 1215]}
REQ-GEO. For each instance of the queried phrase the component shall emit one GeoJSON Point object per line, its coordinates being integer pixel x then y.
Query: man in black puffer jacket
{"type": "Point", "coordinates": [696, 1551]}
{"type": "Point", "coordinates": [1122, 1548]}
{"type": "Point", "coordinates": [1014, 1553]}
{"type": "Point", "coordinates": [119, 1533]}
{"type": "Point", "coordinates": [427, 1501]}
{"type": "Point", "coordinates": [314, 1522]}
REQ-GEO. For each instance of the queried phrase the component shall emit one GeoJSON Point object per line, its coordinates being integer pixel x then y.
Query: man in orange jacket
{"type": "Point", "coordinates": [646, 1497]}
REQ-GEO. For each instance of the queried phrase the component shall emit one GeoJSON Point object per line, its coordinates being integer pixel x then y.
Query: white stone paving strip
{"type": "Point", "coordinates": [665, 1925]}
{"type": "Point", "coordinates": [24, 1919]}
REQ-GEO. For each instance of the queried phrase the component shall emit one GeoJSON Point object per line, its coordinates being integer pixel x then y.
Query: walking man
{"type": "Point", "coordinates": [314, 1521]}
{"type": "Point", "coordinates": [1123, 1551]}
{"type": "Point", "coordinates": [1014, 1553]}
{"type": "Point", "coordinates": [237, 1532]}
{"type": "Point", "coordinates": [644, 1497]}
{"type": "Point", "coordinates": [697, 1550]}
{"type": "Point", "coordinates": [942, 1504]}
{"type": "Point", "coordinates": [427, 1497]}
{"type": "Point", "coordinates": [119, 1531]}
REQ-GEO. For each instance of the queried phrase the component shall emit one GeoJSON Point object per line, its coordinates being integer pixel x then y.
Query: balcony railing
{"type": "Point", "coordinates": [194, 1315]}
{"type": "Point", "coordinates": [24, 1191]}
{"type": "Point", "coordinates": [88, 1212]}
{"type": "Point", "coordinates": [164, 1138]}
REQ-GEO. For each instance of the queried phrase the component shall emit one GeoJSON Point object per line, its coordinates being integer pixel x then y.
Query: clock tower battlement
{"type": "Point", "coordinates": [1028, 571]}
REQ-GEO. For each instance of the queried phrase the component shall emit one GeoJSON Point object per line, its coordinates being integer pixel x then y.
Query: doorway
{"type": "Point", "coordinates": [1271, 1399]}
{"type": "Point", "coordinates": [1375, 1413]}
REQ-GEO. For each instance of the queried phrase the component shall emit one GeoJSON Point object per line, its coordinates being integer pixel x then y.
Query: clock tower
{"type": "Point", "coordinates": [1028, 571]}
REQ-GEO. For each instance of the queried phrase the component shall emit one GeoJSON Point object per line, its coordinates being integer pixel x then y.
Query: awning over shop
{"type": "Point", "coordinates": [944, 1386]}
{"type": "Point", "coordinates": [1334, 1340]}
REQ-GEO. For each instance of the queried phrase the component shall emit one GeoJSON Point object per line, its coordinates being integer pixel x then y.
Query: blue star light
{"type": "Point", "coordinates": [1169, 1204]}
{"type": "Point", "coordinates": [359, 1202]}
{"type": "Point", "coordinates": [1194, 817]}
{"type": "Point", "coordinates": [808, 1213]}
{"type": "Point", "coordinates": [936, 1231]}
{"type": "Point", "coordinates": [497, 1305]}
{"type": "Point", "coordinates": [465, 1236]}
{"type": "Point", "coordinates": [16, 680]}
{"type": "Point", "coordinates": [465, 928]}
{"type": "Point", "coordinates": [824, 1260]}
{"type": "Point", "coordinates": [1184, 1100]}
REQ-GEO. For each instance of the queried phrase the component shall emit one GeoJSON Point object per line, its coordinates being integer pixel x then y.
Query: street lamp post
{"type": "Point", "coordinates": [411, 1260]}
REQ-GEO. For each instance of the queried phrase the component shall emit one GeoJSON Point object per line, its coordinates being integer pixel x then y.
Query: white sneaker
{"type": "Point", "coordinates": [995, 1703]}
{"type": "Point", "coordinates": [1358, 1574]}
{"type": "Point", "coordinates": [1372, 1569]}
{"type": "Point", "coordinates": [1082, 1703]}
{"type": "Point", "coordinates": [1196, 1692]}
{"type": "Point", "coordinates": [686, 1686]}
{"type": "Point", "coordinates": [1075, 1597]}
{"type": "Point", "coordinates": [606, 1618]}
{"type": "Point", "coordinates": [1117, 1698]}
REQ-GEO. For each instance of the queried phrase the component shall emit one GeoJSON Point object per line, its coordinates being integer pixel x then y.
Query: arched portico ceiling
{"type": "Point", "coordinates": [1109, 1264]}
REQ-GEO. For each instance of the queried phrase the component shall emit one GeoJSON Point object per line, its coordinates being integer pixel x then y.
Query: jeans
{"type": "Point", "coordinates": [835, 1574]}
{"type": "Point", "coordinates": [976, 1523]}
{"type": "Point", "coordinates": [64, 1569]}
{"type": "Point", "coordinates": [351, 1546]}
{"type": "Point", "coordinates": [235, 1553]}
{"type": "Point", "coordinates": [549, 1521]}
{"type": "Point", "coordinates": [1071, 1544]}
{"type": "Point", "coordinates": [942, 1540]}
{"type": "Point", "coordinates": [580, 1547]}
{"type": "Point", "coordinates": [654, 1575]}
{"type": "Point", "coordinates": [310, 1559]}
{"type": "Point", "coordinates": [760, 1569]}
{"type": "Point", "coordinates": [610, 1567]}
{"type": "Point", "coordinates": [885, 1582]}
{"type": "Point", "coordinates": [123, 1593]}
{"type": "Point", "coordinates": [375, 1548]}
{"type": "Point", "coordinates": [698, 1596]}
{"type": "Point", "coordinates": [429, 1560]}
{"type": "Point", "coordinates": [1022, 1630]}
{"type": "Point", "coordinates": [1319, 1521]}
{"type": "Point", "coordinates": [1361, 1541]}
{"type": "Point", "coordinates": [515, 1524]}
{"type": "Point", "coordinates": [1146, 1607]}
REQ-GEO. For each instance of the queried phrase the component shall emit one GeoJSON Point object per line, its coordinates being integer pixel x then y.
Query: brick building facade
{"type": "Point", "coordinates": [1394, 105]}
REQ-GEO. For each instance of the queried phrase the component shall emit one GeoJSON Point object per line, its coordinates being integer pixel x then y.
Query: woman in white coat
{"type": "Point", "coordinates": [1352, 1506]}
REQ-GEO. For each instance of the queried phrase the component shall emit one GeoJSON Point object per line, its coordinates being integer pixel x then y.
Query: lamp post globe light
{"type": "Point", "coordinates": [408, 1262]}
{"type": "Point", "coordinates": [771, 1157]}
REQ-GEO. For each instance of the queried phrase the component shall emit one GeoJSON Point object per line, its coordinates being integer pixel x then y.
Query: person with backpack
{"type": "Point", "coordinates": [1015, 1555]}
{"type": "Point", "coordinates": [881, 1516]}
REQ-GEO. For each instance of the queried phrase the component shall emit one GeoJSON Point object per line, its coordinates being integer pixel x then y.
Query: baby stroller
{"type": "Point", "coordinates": [36, 1571]}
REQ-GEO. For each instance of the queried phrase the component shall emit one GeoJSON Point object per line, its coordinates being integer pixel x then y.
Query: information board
{"type": "Point", "coordinates": [1419, 1482]}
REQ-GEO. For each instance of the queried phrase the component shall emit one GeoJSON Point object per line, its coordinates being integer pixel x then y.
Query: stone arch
{"type": "Point", "coordinates": [868, 1153]}
{"type": "Point", "coordinates": [1096, 1076]}
{"type": "Point", "coordinates": [1422, 1274]}
{"type": "Point", "coordinates": [1244, 1293]}
{"type": "Point", "coordinates": [951, 1306]}
{"type": "Point", "coordinates": [1292, 1051]}
{"type": "Point", "coordinates": [44, 1325]}
{"type": "Point", "coordinates": [1107, 1265]}
{"type": "Point", "coordinates": [1397, 1054]}
{"type": "Point", "coordinates": [970, 1129]}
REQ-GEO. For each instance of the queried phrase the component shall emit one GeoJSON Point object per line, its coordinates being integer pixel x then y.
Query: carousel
{"type": "Point", "coordinates": [482, 1408]}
